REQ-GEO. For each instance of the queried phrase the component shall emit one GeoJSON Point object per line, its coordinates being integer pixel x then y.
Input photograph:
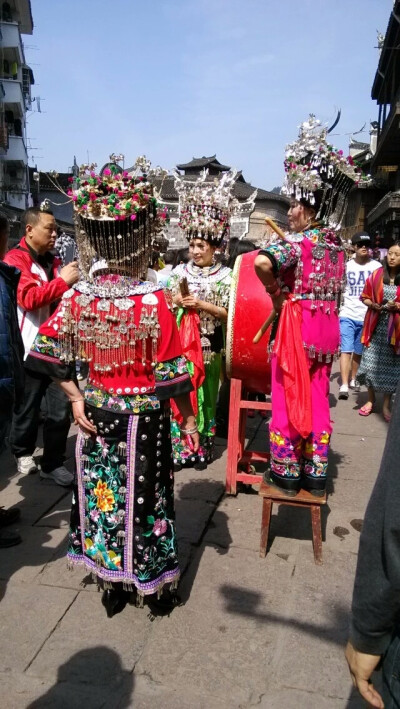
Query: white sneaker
{"type": "Point", "coordinates": [354, 385]}
{"type": "Point", "coordinates": [26, 465]}
{"type": "Point", "coordinates": [344, 392]}
{"type": "Point", "coordinates": [59, 475]}
{"type": "Point", "coordinates": [80, 377]}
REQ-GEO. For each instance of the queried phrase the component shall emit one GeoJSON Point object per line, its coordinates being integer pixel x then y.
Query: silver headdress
{"type": "Point", "coordinates": [319, 173]}
{"type": "Point", "coordinates": [206, 206]}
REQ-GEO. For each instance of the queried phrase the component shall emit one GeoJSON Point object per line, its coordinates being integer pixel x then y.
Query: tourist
{"type": "Point", "coordinates": [352, 312]}
{"type": "Point", "coordinates": [41, 285]}
{"type": "Point", "coordinates": [11, 368]}
{"type": "Point", "coordinates": [122, 519]}
{"type": "Point", "coordinates": [380, 362]}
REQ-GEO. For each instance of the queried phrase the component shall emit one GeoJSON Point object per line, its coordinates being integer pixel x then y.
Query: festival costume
{"type": "Point", "coordinates": [310, 268]}
{"type": "Point", "coordinates": [203, 353]}
{"type": "Point", "coordinates": [205, 211]}
{"type": "Point", "coordinates": [380, 361]}
{"type": "Point", "coordinates": [122, 519]}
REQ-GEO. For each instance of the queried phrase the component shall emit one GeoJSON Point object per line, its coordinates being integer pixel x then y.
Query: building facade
{"type": "Point", "coordinates": [384, 218]}
{"type": "Point", "coordinates": [16, 79]}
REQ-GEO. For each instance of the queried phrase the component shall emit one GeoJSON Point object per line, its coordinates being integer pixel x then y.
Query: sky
{"type": "Point", "coordinates": [174, 79]}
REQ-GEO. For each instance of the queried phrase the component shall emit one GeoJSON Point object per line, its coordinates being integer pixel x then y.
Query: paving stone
{"type": "Point", "coordinates": [295, 699]}
{"type": "Point", "coordinates": [149, 694]}
{"type": "Point", "coordinates": [230, 622]}
{"type": "Point", "coordinates": [36, 550]}
{"type": "Point", "coordinates": [28, 616]}
{"type": "Point", "coordinates": [106, 644]}
{"type": "Point", "coordinates": [317, 619]}
{"type": "Point", "coordinates": [192, 517]}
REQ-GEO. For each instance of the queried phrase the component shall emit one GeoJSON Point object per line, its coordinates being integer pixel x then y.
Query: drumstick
{"type": "Point", "coordinates": [263, 329]}
{"type": "Point", "coordinates": [275, 227]}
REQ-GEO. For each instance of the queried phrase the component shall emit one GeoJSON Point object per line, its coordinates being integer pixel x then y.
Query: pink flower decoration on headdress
{"type": "Point", "coordinates": [107, 171]}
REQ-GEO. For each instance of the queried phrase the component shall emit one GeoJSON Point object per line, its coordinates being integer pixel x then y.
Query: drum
{"type": "Point", "coordinates": [249, 307]}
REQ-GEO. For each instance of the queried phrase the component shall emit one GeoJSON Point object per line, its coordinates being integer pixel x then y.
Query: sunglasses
{"type": "Point", "coordinates": [360, 245]}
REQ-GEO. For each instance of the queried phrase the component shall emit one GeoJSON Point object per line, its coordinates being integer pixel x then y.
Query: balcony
{"type": "Point", "coordinates": [12, 97]}
{"type": "Point", "coordinates": [16, 152]}
{"type": "Point", "coordinates": [388, 146]}
{"type": "Point", "coordinates": [11, 39]}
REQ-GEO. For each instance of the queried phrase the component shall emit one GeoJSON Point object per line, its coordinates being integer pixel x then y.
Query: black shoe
{"type": "Point", "coordinates": [9, 539]}
{"type": "Point", "coordinates": [289, 492]}
{"type": "Point", "coordinates": [165, 604]}
{"type": "Point", "coordinates": [114, 601]}
{"type": "Point", "coordinates": [177, 467]}
{"type": "Point", "coordinates": [316, 493]}
{"type": "Point", "coordinates": [9, 516]}
{"type": "Point", "coordinates": [201, 465]}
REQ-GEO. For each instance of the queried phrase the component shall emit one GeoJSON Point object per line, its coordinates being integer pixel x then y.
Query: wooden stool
{"type": "Point", "coordinates": [303, 498]}
{"type": "Point", "coordinates": [239, 461]}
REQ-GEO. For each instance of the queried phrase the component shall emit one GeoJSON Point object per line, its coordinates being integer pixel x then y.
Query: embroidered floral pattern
{"type": "Point", "coordinates": [125, 490]}
{"type": "Point", "coordinates": [171, 369]}
{"type": "Point", "coordinates": [290, 459]}
{"type": "Point", "coordinates": [284, 253]}
{"type": "Point", "coordinates": [120, 404]}
{"type": "Point", "coordinates": [46, 347]}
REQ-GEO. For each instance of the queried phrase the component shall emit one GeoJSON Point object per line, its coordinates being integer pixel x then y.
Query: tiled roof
{"type": "Point", "coordinates": [242, 190]}
{"type": "Point", "coordinates": [204, 162]}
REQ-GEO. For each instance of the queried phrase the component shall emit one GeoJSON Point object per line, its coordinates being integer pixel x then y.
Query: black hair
{"type": "Point", "coordinates": [386, 276]}
{"type": "Point", "coordinates": [32, 216]}
{"type": "Point", "coordinates": [241, 246]}
{"type": "Point", "coordinates": [4, 225]}
{"type": "Point", "coordinates": [169, 258]}
{"type": "Point", "coordinates": [181, 256]}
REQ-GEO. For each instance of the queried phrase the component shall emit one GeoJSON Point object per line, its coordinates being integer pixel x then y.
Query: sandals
{"type": "Point", "coordinates": [366, 410]}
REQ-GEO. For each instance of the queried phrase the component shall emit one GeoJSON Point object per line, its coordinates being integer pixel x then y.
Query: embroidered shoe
{"type": "Point", "coordinates": [26, 465]}
{"type": "Point", "coordinates": [344, 392]}
{"type": "Point", "coordinates": [61, 476]}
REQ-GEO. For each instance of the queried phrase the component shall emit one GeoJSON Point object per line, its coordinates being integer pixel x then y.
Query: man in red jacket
{"type": "Point", "coordinates": [41, 285]}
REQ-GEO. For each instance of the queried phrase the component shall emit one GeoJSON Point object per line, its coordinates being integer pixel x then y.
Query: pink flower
{"type": "Point", "coordinates": [104, 446]}
{"type": "Point", "coordinates": [107, 171]}
{"type": "Point", "coordinates": [70, 179]}
{"type": "Point", "coordinates": [160, 527]}
{"type": "Point", "coordinates": [133, 217]}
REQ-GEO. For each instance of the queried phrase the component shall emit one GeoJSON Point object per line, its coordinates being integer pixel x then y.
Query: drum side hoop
{"type": "Point", "coordinates": [231, 315]}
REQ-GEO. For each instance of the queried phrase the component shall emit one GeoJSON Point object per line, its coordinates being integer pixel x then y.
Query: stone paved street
{"type": "Point", "coordinates": [252, 632]}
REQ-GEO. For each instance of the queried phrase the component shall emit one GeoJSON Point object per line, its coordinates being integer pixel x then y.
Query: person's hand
{"type": "Point", "coordinates": [361, 667]}
{"type": "Point", "coordinates": [391, 305]}
{"type": "Point", "coordinates": [177, 300]}
{"type": "Point", "coordinates": [376, 306]}
{"type": "Point", "coordinates": [190, 301]}
{"type": "Point", "coordinates": [78, 412]}
{"type": "Point", "coordinates": [278, 301]}
{"type": "Point", "coordinates": [70, 273]}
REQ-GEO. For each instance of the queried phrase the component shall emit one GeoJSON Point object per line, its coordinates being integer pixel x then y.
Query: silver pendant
{"type": "Point", "coordinates": [318, 252]}
{"type": "Point", "coordinates": [333, 255]}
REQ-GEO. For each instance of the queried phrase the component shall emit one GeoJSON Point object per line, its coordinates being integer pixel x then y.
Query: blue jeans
{"type": "Point", "coordinates": [391, 673]}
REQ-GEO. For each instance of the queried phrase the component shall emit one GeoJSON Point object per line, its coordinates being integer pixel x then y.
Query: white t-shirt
{"type": "Point", "coordinates": [356, 276]}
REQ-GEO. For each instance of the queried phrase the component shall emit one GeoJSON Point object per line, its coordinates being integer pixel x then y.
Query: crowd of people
{"type": "Point", "coordinates": [149, 332]}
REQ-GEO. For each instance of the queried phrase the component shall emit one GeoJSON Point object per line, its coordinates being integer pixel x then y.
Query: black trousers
{"type": "Point", "coordinates": [25, 425]}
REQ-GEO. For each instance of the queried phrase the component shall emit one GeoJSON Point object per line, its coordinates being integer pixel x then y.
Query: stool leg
{"type": "Point", "coordinates": [265, 525]}
{"type": "Point", "coordinates": [316, 532]}
{"type": "Point", "coordinates": [233, 437]}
